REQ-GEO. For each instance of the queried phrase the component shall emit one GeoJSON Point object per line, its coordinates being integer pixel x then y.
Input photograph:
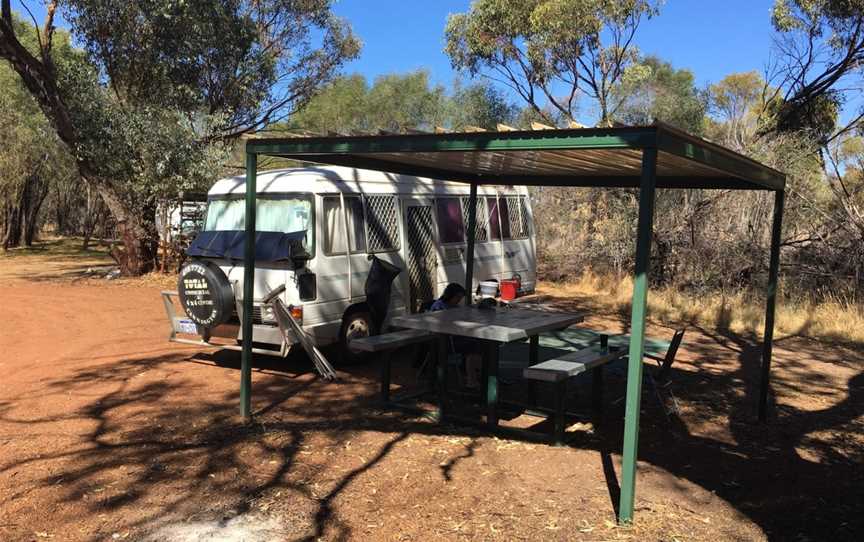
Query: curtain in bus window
{"type": "Point", "coordinates": [283, 215]}
{"type": "Point", "coordinates": [450, 226]}
{"type": "Point", "coordinates": [272, 214]}
{"type": "Point", "coordinates": [225, 215]}
{"type": "Point", "coordinates": [334, 233]}
{"type": "Point", "coordinates": [356, 224]}
{"type": "Point", "coordinates": [494, 224]}
{"type": "Point", "coordinates": [505, 217]}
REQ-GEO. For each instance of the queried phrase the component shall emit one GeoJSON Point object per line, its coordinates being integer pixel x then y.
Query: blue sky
{"type": "Point", "coordinates": [712, 39]}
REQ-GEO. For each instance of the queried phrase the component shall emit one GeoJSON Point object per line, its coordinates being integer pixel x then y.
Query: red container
{"type": "Point", "coordinates": [509, 289]}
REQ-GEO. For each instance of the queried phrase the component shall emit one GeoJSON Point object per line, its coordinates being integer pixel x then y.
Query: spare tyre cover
{"type": "Point", "coordinates": [205, 293]}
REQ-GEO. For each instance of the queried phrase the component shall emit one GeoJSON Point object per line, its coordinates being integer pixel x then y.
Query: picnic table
{"type": "Point", "coordinates": [493, 326]}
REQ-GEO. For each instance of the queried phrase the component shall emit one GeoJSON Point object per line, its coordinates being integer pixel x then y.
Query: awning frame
{"type": "Point", "coordinates": [657, 143]}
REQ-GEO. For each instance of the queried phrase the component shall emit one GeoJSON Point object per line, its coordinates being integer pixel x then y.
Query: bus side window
{"type": "Point", "coordinates": [356, 223]}
{"type": "Point", "coordinates": [480, 233]}
{"type": "Point", "coordinates": [334, 233]}
{"type": "Point", "coordinates": [382, 222]}
{"type": "Point", "coordinates": [451, 229]}
{"type": "Point", "coordinates": [505, 217]}
{"type": "Point", "coordinates": [518, 216]}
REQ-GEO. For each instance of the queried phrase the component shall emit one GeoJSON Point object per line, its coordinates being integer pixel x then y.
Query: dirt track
{"type": "Point", "coordinates": [107, 431]}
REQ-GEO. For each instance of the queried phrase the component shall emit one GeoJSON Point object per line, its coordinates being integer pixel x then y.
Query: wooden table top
{"type": "Point", "coordinates": [502, 325]}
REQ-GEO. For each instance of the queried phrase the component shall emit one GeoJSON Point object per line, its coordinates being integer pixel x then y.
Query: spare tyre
{"type": "Point", "coordinates": [205, 293]}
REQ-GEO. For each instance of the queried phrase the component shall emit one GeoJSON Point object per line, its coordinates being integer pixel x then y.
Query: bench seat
{"type": "Point", "coordinates": [385, 344]}
{"type": "Point", "coordinates": [390, 341]}
{"type": "Point", "coordinates": [560, 370]}
{"type": "Point", "coordinates": [570, 365]}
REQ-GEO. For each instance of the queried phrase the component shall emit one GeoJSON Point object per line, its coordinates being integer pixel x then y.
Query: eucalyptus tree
{"type": "Point", "coordinates": [480, 105]}
{"type": "Point", "coordinates": [551, 51]}
{"type": "Point", "coordinates": [164, 83]}
{"type": "Point", "coordinates": [401, 102]}
{"type": "Point", "coordinates": [653, 89]}
{"type": "Point", "coordinates": [818, 64]}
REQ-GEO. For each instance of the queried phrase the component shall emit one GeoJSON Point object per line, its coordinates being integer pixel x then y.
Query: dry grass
{"type": "Point", "coordinates": [741, 312]}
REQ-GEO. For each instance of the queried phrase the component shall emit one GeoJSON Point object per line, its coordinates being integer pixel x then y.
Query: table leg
{"type": "Point", "coordinates": [597, 380]}
{"type": "Point", "coordinates": [443, 347]}
{"type": "Point", "coordinates": [560, 410]}
{"type": "Point", "coordinates": [533, 350]}
{"type": "Point", "coordinates": [491, 383]}
{"type": "Point", "coordinates": [597, 389]}
{"type": "Point", "coordinates": [385, 378]}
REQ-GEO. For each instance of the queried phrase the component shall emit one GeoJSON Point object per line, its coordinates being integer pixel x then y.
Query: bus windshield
{"type": "Point", "coordinates": [284, 214]}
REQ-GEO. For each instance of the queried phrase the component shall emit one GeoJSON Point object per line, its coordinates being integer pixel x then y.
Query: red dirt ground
{"type": "Point", "coordinates": [107, 431]}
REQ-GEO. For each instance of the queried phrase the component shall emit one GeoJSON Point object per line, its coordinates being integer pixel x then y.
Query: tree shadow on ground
{"type": "Point", "coordinates": [147, 439]}
{"type": "Point", "coordinates": [798, 476]}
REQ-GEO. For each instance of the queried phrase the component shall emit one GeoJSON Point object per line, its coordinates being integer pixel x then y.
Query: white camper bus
{"type": "Point", "coordinates": [344, 216]}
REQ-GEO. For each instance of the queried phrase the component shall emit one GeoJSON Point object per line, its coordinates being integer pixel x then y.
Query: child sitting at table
{"type": "Point", "coordinates": [451, 298]}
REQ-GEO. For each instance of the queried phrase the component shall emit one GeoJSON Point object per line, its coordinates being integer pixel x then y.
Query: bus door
{"type": "Point", "coordinates": [421, 255]}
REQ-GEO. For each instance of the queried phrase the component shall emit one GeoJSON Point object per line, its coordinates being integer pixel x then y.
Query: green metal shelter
{"type": "Point", "coordinates": [645, 157]}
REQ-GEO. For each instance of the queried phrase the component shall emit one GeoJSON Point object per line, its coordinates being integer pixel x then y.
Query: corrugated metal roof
{"type": "Point", "coordinates": [608, 157]}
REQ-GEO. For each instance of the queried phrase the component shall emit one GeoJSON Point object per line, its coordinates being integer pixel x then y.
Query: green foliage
{"type": "Point", "coordinates": [739, 102]}
{"type": "Point", "coordinates": [737, 94]}
{"type": "Point", "coordinates": [653, 89]}
{"type": "Point", "coordinates": [395, 102]}
{"type": "Point", "coordinates": [339, 107]}
{"type": "Point", "coordinates": [834, 18]}
{"type": "Point", "coordinates": [148, 152]}
{"type": "Point", "coordinates": [32, 158]}
{"type": "Point", "coordinates": [401, 102]}
{"type": "Point", "coordinates": [162, 87]}
{"type": "Point", "coordinates": [536, 47]}
{"type": "Point", "coordinates": [819, 64]}
{"type": "Point", "coordinates": [246, 60]}
{"type": "Point", "coordinates": [480, 105]}
{"type": "Point", "coordinates": [546, 116]}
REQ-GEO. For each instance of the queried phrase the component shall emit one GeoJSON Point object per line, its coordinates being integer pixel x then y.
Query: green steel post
{"type": "Point", "coordinates": [469, 257]}
{"type": "Point", "coordinates": [637, 335]}
{"type": "Point", "coordinates": [768, 339]}
{"type": "Point", "coordinates": [248, 289]}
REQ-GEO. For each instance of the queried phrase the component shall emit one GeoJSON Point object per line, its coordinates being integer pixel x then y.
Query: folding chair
{"type": "Point", "coordinates": [664, 364]}
{"type": "Point", "coordinates": [660, 379]}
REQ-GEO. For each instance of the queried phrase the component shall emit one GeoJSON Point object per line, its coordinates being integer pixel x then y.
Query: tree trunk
{"type": "Point", "coordinates": [12, 235]}
{"type": "Point", "coordinates": [35, 190]}
{"type": "Point", "coordinates": [137, 255]}
{"type": "Point", "coordinates": [88, 224]}
{"type": "Point", "coordinates": [15, 213]}
{"type": "Point", "coordinates": [31, 222]}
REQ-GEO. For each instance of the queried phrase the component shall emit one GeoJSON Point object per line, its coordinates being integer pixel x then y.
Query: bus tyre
{"type": "Point", "coordinates": [205, 294]}
{"type": "Point", "coordinates": [355, 324]}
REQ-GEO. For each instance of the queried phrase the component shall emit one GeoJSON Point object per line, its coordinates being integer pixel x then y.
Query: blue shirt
{"type": "Point", "coordinates": [439, 305]}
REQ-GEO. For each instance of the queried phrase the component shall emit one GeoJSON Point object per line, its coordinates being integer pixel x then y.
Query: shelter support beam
{"type": "Point", "coordinates": [637, 334]}
{"type": "Point", "coordinates": [469, 256]}
{"type": "Point", "coordinates": [773, 269]}
{"type": "Point", "coordinates": [248, 289]}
